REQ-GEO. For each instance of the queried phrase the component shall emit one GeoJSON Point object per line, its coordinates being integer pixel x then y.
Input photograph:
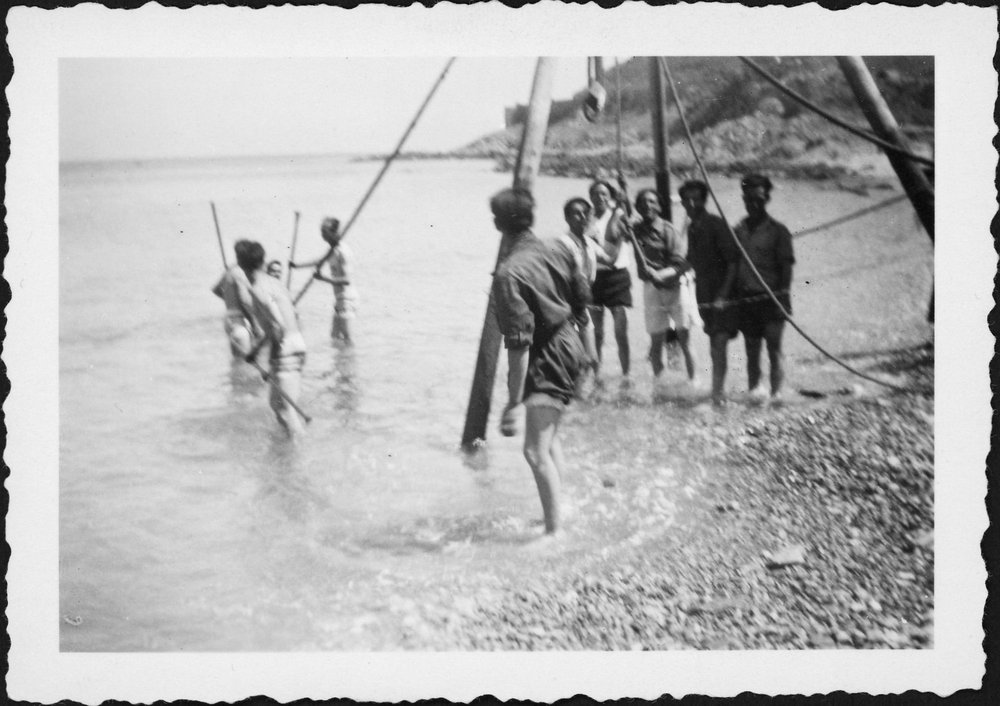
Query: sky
{"type": "Point", "coordinates": [212, 107]}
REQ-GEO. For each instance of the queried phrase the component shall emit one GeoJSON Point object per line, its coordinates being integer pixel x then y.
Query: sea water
{"type": "Point", "coordinates": [188, 522]}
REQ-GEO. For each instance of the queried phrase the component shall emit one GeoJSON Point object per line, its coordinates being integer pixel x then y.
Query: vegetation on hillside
{"type": "Point", "coordinates": [738, 119]}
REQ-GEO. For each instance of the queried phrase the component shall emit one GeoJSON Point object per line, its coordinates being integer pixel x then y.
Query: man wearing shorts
{"type": "Point", "coordinates": [234, 289]}
{"type": "Point", "coordinates": [273, 308]}
{"type": "Point", "coordinates": [345, 296]}
{"type": "Point", "coordinates": [769, 245]}
{"type": "Point", "coordinates": [715, 259]}
{"type": "Point", "coordinates": [668, 283]}
{"type": "Point", "coordinates": [612, 286]}
{"type": "Point", "coordinates": [541, 298]}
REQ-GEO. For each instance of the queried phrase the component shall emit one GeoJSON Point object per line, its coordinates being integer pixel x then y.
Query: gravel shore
{"type": "Point", "coordinates": [801, 526]}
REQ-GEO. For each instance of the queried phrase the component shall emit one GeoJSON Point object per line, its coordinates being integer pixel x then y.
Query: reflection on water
{"type": "Point", "coordinates": [343, 383]}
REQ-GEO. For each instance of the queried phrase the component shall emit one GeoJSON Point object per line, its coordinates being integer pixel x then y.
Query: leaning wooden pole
{"type": "Point", "coordinates": [529, 158]}
{"type": "Point", "coordinates": [915, 182]}
{"type": "Point", "coordinates": [660, 141]}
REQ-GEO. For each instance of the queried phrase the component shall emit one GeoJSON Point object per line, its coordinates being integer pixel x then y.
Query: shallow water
{"type": "Point", "coordinates": [187, 522]}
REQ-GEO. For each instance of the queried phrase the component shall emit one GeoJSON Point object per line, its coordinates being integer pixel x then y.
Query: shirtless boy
{"type": "Point", "coordinates": [234, 289]}
{"type": "Point", "coordinates": [273, 308]}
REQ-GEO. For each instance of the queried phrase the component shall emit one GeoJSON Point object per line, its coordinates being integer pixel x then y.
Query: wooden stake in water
{"type": "Point", "coordinates": [218, 234]}
{"type": "Point", "coordinates": [291, 251]}
{"type": "Point", "coordinates": [529, 159]}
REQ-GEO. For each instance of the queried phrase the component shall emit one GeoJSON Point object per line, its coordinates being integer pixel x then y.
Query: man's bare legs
{"type": "Point", "coordinates": [684, 341]}
{"type": "Point", "coordinates": [544, 454]}
{"type": "Point", "coordinates": [773, 331]}
{"type": "Point", "coordinates": [718, 343]}
{"type": "Point", "coordinates": [752, 344]}
{"type": "Point", "coordinates": [656, 344]}
{"type": "Point", "coordinates": [290, 382]}
{"type": "Point", "coordinates": [621, 337]}
{"type": "Point", "coordinates": [597, 319]}
{"type": "Point", "coordinates": [341, 329]}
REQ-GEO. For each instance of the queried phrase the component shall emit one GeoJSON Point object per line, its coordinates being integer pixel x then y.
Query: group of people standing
{"type": "Point", "coordinates": [260, 313]}
{"type": "Point", "coordinates": [551, 295]}
{"type": "Point", "coordinates": [692, 278]}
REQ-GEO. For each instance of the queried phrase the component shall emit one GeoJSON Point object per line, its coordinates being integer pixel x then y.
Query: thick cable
{"type": "Point", "coordinates": [385, 167]}
{"type": "Point", "coordinates": [874, 139]}
{"type": "Point", "coordinates": [743, 252]}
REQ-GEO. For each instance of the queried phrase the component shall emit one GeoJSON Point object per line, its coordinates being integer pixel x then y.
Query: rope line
{"type": "Point", "coordinates": [863, 134]}
{"type": "Point", "coordinates": [851, 216]}
{"type": "Point", "coordinates": [743, 252]}
{"type": "Point", "coordinates": [385, 167]}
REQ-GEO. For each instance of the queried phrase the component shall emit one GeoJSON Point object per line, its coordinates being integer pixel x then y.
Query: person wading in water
{"type": "Point", "coordinates": [273, 308]}
{"type": "Point", "coordinates": [541, 298]}
{"type": "Point", "coordinates": [345, 296]}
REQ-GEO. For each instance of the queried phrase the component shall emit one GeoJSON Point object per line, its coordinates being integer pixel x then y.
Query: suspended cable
{"type": "Point", "coordinates": [385, 167]}
{"type": "Point", "coordinates": [743, 252]}
{"type": "Point", "coordinates": [851, 216]}
{"type": "Point", "coordinates": [874, 139]}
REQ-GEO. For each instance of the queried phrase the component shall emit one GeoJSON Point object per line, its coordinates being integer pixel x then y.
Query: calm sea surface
{"type": "Point", "coordinates": [187, 522]}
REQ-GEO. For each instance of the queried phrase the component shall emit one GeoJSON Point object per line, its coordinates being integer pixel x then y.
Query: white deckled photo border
{"type": "Point", "coordinates": [961, 39]}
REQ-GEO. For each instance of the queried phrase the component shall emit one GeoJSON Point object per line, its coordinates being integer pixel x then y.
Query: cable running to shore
{"type": "Point", "coordinates": [743, 252]}
{"type": "Point", "coordinates": [874, 139]}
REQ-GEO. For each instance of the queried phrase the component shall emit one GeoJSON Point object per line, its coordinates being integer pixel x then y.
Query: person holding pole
{"type": "Point", "coordinates": [234, 289]}
{"type": "Point", "coordinates": [344, 294]}
{"type": "Point", "coordinates": [541, 298]}
{"type": "Point", "coordinates": [273, 308]}
{"type": "Point", "coordinates": [612, 287]}
{"type": "Point", "coordinates": [769, 245]}
{"type": "Point", "coordinates": [715, 258]}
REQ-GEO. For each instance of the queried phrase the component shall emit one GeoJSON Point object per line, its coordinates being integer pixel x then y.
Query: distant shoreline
{"type": "Point", "coordinates": [586, 165]}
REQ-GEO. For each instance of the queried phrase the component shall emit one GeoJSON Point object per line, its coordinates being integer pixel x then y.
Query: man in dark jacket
{"type": "Point", "coordinates": [541, 297]}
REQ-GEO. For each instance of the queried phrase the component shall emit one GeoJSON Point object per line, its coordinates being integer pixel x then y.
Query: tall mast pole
{"type": "Point", "coordinates": [915, 182]}
{"type": "Point", "coordinates": [660, 141]}
{"type": "Point", "coordinates": [529, 159]}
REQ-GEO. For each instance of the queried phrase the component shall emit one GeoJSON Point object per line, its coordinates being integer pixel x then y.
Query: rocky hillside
{"type": "Point", "coordinates": [738, 119]}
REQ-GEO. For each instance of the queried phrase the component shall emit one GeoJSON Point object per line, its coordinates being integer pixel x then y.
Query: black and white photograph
{"type": "Point", "coordinates": [378, 365]}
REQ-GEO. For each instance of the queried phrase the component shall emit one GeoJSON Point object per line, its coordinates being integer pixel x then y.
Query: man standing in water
{"type": "Point", "coordinates": [345, 297]}
{"type": "Point", "coordinates": [541, 298]}
{"type": "Point", "coordinates": [273, 308]}
{"type": "Point", "coordinates": [715, 259]}
{"type": "Point", "coordinates": [234, 289]}
{"type": "Point", "coordinates": [613, 284]}
{"type": "Point", "coordinates": [576, 211]}
{"type": "Point", "coordinates": [769, 245]}
{"type": "Point", "coordinates": [668, 292]}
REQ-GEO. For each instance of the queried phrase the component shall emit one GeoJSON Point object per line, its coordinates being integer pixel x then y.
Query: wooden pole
{"type": "Point", "coordinates": [378, 177]}
{"type": "Point", "coordinates": [218, 235]}
{"type": "Point", "coordinates": [915, 182]}
{"type": "Point", "coordinates": [529, 159]}
{"type": "Point", "coordinates": [291, 252]}
{"type": "Point", "coordinates": [660, 143]}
